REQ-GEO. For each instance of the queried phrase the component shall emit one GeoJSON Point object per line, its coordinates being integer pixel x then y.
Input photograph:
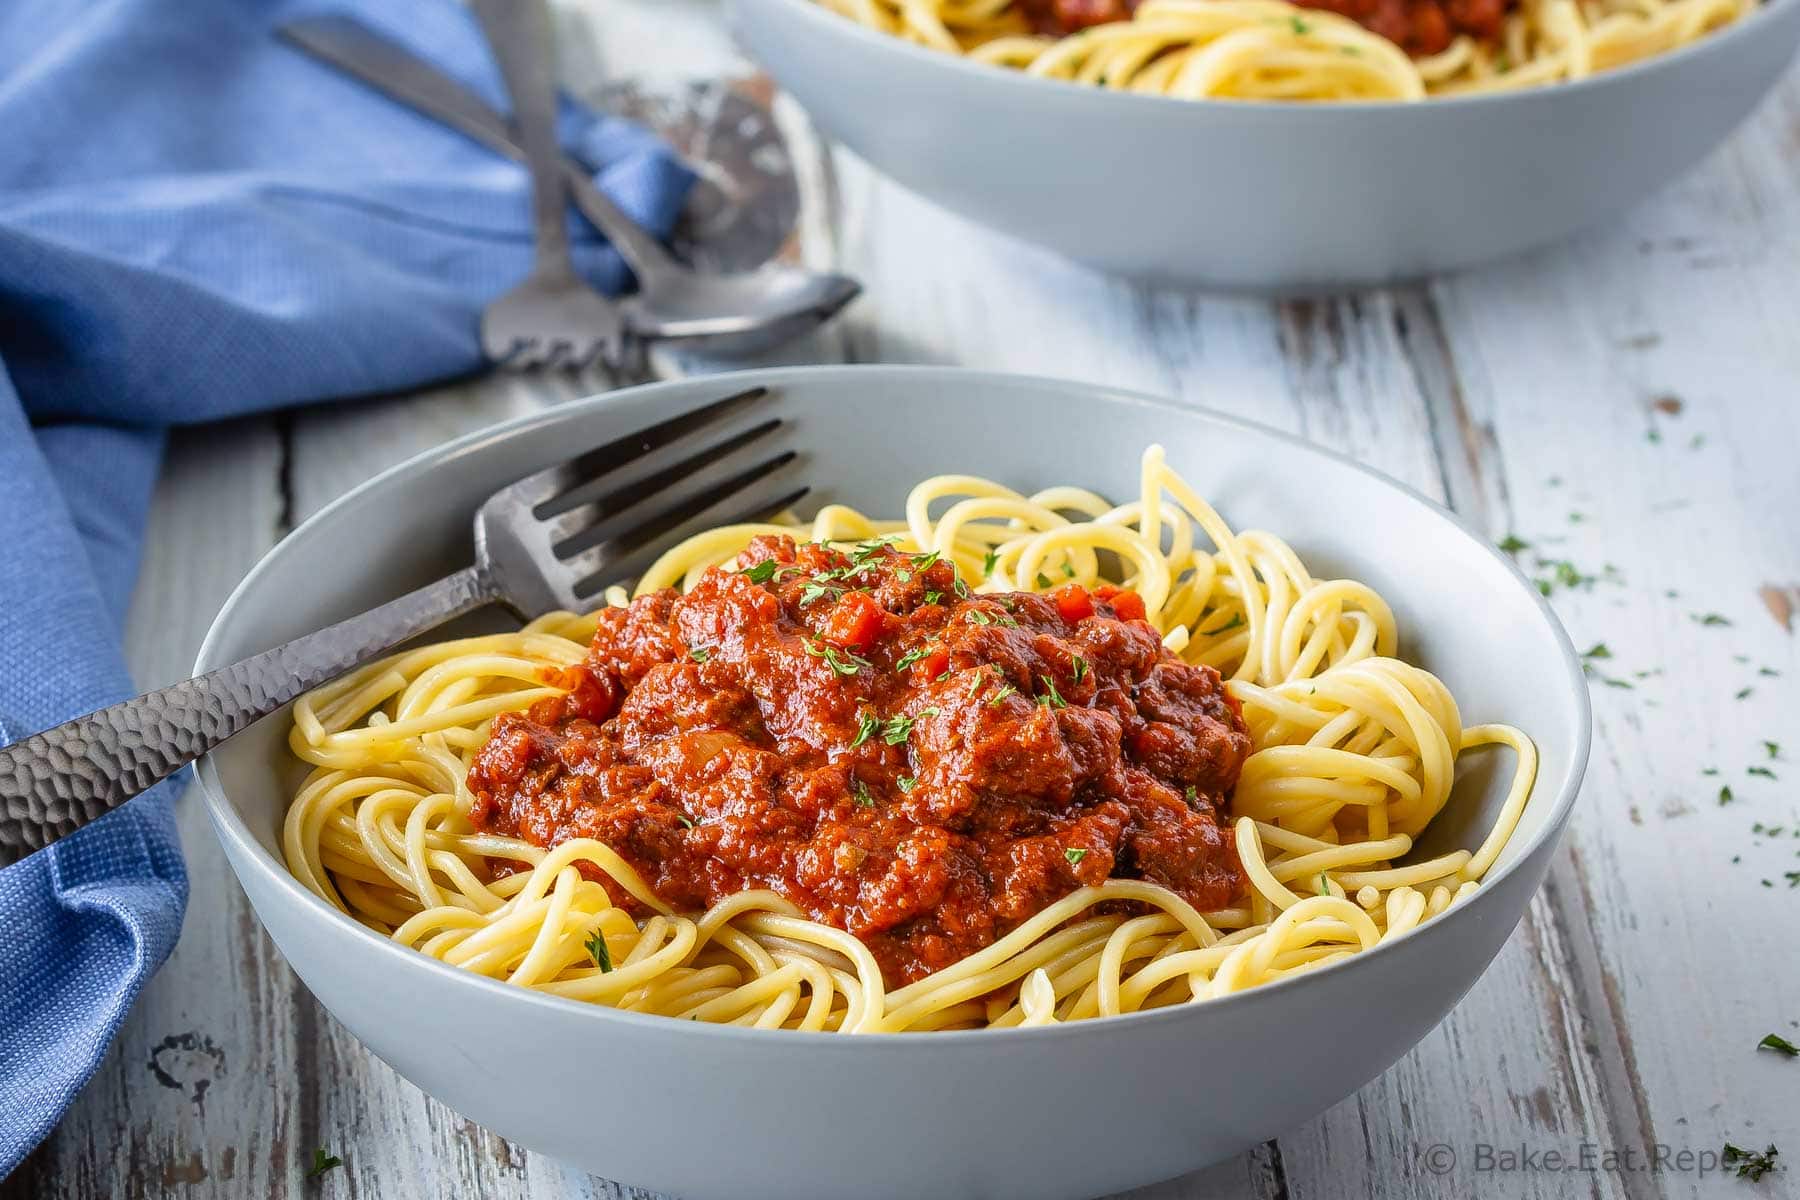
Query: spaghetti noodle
{"type": "Point", "coordinates": [1273, 50]}
{"type": "Point", "coordinates": [1353, 752]}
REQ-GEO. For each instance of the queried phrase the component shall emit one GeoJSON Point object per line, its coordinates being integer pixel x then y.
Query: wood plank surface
{"type": "Point", "coordinates": [1623, 401]}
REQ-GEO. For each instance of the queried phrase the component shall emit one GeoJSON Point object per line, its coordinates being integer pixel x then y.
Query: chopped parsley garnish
{"type": "Point", "coordinates": [687, 822]}
{"type": "Point", "coordinates": [911, 656]}
{"type": "Point", "coordinates": [976, 616]}
{"type": "Point", "coordinates": [1763, 771]}
{"type": "Point", "coordinates": [1710, 618]}
{"type": "Point", "coordinates": [1751, 1165]}
{"type": "Point", "coordinates": [995, 699]}
{"type": "Point", "coordinates": [839, 662]}
{"type": "Point", "coordinates": [904, 576]}
{"type": "Point", "coordinates": [866, 725]}
{"type": "Point", "coordinates": [1075, 856]}
{"type": "Point", "coordinates": [1324, 885]}
{"type": "Point", "coordinates": [767, 570]}
{"type": "Point", "coordinates": [700, 654]}
{"type": "Point", "coordinates": [1743, 693]}
{"type": "Point", "coordinates": [322, 1162]}
{"type": "Point", "coordinates": [1069, 570]}
{"type": "Point", "coordinates": [1725, 796]}
{"type": "Point", "coordinates": [867, 552]}
{"type": "Point", "coordinates": [962, 589]}
{"type": "Point", "coordinates": [1512, 543]}
{"type": "Point", "coordinates": [1598, 650]}
{"type": "Point", "coordinates": [596, 948]}
{"type": "Point", "coordinates": [905, 783]}
{"type": "Point", "coordinates": [818, 591]}
{"type": "Point", "coordinates": [1780, 1045]}
{"type": "Point", "coordinates": [1191, 794]}
{"type": "Point", "coordinates": [1709, 770]}
{"type": "Point", "coordinates": [1768, 672]}
{"type": "Point", "coordinates": [1081, 668]}
{"type": "Point", "coordinates": [1043, 580]}
{"type": "Point", "coordinates": [988, 562]}
{"type": "Point", "coordinates": [1774, 749]}
{"type": "Point", "coordinates": [859, 792]}
{"type": "Point", "coordinates": [1301, 28]}
{"type": "Point", "coordinates": [1051, 696]}
{"type": "Point", "coordinates": [898, 729]}
{"type": "Point", "coordinates": [924, 562]}
{"type": "Point", "coordinates": [933, 597]}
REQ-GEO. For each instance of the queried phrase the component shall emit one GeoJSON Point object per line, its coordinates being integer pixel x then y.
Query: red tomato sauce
{"type": "Point", "coordinates": [922, 767]}
{"type": "Point", "coordinates": [1417, 26]}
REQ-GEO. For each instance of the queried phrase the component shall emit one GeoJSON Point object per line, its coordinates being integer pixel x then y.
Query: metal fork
{"type": "Point", "coordinates": [545, 542]}
{"type": "Point", "coordinates": [554, 317]}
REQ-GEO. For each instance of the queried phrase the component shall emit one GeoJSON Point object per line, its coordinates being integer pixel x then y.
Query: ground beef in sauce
{"type": "Point", "coordinates": [919, 766]}
{"type": "Point", "coordinates": [1417, 26]}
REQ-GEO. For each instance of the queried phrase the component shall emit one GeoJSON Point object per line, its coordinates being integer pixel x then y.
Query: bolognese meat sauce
{"type": "Point", "coordinates": [1417, 26]}
{"type": "Point", "coordinates": [922, 767]}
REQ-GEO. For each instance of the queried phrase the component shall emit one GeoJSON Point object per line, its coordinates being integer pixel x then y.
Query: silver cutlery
{"type": "Point", "coordinates": [555, 317]}
{"type": "Point", "coordinates": [737, 313]}
{"type": "Point", "coordinates": [551, 540]}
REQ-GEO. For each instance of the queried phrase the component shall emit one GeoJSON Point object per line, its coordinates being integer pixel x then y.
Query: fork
{"type": "Point", "coordinates": [551, 540]}
{"type": "Point", "coordinates": [554, 317]}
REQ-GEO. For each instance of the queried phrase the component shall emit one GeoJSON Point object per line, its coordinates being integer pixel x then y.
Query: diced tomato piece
{"type": "Point", "coordinates": [1073, 602]}
{"type": "Point", "coordinates": [932, 665]}
{"type": "Point", "coordinates": [1127, 605]}
{"type": "Point", "coordinates": [855, 622]}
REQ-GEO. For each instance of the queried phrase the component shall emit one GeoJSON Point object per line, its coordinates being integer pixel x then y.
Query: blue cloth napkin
{"type": "Point", "coordinates": [198, 222]}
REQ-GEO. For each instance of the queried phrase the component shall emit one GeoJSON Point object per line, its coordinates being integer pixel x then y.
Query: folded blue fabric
{"type": "Point", "coordinates": [198, 222]}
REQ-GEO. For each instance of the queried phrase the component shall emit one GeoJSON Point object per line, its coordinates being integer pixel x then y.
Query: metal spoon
{"type": "Point", "coordinates": [739, 313]}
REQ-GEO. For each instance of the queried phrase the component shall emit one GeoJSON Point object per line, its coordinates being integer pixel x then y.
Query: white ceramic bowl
{"type": "Point", "coordinates": [1079, 1110]}
{"type": "Point", "coordinates": [1265, 196]}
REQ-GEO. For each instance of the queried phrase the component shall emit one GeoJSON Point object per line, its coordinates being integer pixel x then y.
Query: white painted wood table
{"type": "Point", "coordinates": [1625, 402]}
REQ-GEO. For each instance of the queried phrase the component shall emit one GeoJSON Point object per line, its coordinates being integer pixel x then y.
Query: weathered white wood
{"type": "Point", "coordinates": [1625, 1011]}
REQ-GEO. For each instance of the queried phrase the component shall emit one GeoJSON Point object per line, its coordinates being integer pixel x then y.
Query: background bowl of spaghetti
{"type": "Point", "coordinates": [1268, 196]}
{"type": "Point", "coordinates": [1074, 1110]}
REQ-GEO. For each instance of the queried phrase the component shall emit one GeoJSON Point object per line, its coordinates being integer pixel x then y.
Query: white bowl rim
{"type": "Point", "coordinates": [231, 830]}
{"type": "Point", "coordinates": [978, 72]}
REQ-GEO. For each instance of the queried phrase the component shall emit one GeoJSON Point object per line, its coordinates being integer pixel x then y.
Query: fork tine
{"type": "Point", "coordinates": [591, 562]}
{"type": "Point", "coordinates": [589, 584]}
{"type": "Point", "coordinates": [622, 499]}
{"type": "Point", "coordinates": [764, 511]}
{"type": "Point", "coordinates": [549, 489]}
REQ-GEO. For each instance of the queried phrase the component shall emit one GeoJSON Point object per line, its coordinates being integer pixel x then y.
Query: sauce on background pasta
{"type": "Point", "coordinates": [1310, 50]}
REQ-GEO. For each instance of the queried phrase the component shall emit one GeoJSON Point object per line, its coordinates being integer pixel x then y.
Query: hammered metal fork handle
{"type": "Point", "coordinates": [53, 783]}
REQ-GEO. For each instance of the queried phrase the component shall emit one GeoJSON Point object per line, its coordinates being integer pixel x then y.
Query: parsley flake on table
{"type": "Point", "coordinates": [1779, 1044]}
{"type": "Point", "coordinates": [1751, 1165]}
{"type": "Point", "coordinates": [322, 1162]}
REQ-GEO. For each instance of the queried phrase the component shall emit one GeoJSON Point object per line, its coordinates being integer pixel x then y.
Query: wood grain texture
{"type": "Point", "coordinates": [1623, 399]}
